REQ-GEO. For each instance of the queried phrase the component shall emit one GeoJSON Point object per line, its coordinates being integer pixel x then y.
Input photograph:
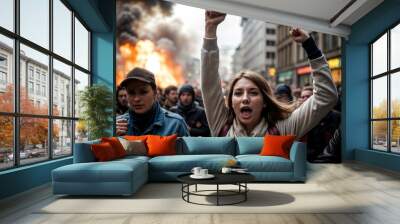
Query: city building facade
{"type": "Point", "coordinates": [293, 68]}
{"type": "Point", "coordinates": [237, 60]}
{"type": "Point", "coordinates": [257, 50]}
{"type": "Point", "coordinates": [34, 87]}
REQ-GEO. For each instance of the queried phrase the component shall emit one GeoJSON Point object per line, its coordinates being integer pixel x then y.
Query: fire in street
{"type": "Point", "coordinates": [145, 54]}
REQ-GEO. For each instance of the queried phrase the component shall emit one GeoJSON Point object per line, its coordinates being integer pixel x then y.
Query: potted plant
{"type": "Point", "coordinates": [96, 103]}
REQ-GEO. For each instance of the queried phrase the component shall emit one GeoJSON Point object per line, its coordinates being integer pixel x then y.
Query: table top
{"type": "Point", "coordinates": [220, 178]}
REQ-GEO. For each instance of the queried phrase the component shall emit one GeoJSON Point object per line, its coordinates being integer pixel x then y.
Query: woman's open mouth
{"type": "Point", "coordinates": [246, 112]}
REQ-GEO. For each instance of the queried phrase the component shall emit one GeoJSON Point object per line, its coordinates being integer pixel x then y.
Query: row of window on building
{"type": "Point", "coordinates": [269, 50]}
{"type": "Point", "coordinates": [37, 82]}
{"type": "Point", "coordinates": [293, 67]}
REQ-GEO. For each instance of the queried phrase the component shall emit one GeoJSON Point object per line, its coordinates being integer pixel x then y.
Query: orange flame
{"type": "Point", "coordinates": [145, 54]}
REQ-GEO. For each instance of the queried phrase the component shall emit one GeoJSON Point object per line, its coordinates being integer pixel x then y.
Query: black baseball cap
{"type": "Point", "coordinates": [140, 74]}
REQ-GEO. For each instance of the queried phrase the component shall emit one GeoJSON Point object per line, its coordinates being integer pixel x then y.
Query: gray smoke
{"type": "Point", "coordinates": [135, 21]}
{"type": "Point", "coordinates": [128, 21]}
{"type": "Point", "coordinates": [132, 14]}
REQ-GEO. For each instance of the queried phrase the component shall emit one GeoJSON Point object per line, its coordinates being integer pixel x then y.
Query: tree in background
{"type": "Point", "coordinates": [33, 131]}
{"type": "Point", "coordinates": [6, 122]}
{"type": "Point", "coordinates": [380, 127]}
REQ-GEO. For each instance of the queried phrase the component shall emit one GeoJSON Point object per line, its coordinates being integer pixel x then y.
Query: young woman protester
{"type": "Point", "coordinates": [252, 107]}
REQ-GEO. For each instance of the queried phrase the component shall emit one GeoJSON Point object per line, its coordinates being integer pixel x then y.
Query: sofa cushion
{"type": "Point", "coordinates": [206, 145]}
{"type": "Point", "coordinates": [116, 145]}
{"type": "Point", "coordinates": [103, 152]}
{"type": "Point", "coordinates": [185, 163]}
{"type": "Point", "coordinates": [257, 163]}
{"type": "Point", "coordinates": [249, 145]}
{"type": "Point", "coordinates": [161, 145]}
{"type": "Point", "coordinates": [277, 145]}
{"type": "Point", "coordinates": [135, 147]}
{"type": "Point", "coordinates": [131, 158]}
{"type": "Point", "coordinates": [135, 137]}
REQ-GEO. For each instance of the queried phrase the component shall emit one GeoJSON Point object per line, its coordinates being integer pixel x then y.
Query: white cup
{"type": "Point", "coordinates": [226, 170]}
{"type": "Point", "coordinates": [203, 172]}
{"type": "Point", "coordinates": [196, 171]}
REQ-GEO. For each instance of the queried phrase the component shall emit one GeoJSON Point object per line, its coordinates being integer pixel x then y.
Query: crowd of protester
{"type": "Point", "coordinates": [249, 106]}
{"type": "Point", "coordinates": [184, 101]}
{"type": "Point", "coordinates": [323, 140]}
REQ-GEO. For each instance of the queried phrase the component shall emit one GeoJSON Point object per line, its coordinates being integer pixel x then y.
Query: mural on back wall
{"type": "Point", "coordinates": [166, 39]}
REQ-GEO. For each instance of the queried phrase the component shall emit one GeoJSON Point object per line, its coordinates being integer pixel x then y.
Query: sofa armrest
{"type": "Point", "coordinates": [83, 152]}
{"type": "Point", "coordinates": [298, 155]}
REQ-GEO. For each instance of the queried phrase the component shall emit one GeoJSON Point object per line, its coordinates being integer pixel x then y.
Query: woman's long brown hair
{"type": "Point", "coordinates": [274, 110]}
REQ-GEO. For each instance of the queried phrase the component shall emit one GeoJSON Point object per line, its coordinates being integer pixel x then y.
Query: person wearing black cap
{"type": "Point", "coordinates": [145, 115]}
{"type": "Point", "coordinates": [194, 115]}
{"type": "Point", "coordinates": [283, 93]}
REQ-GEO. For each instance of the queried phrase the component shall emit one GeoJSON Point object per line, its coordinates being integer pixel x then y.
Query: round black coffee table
{"type": "Point", "coordinates": [238, 179]}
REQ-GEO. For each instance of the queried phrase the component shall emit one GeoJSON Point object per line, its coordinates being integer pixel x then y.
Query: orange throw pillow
{"type": "Point", "coordinates": [277, 145]}
{"type": "Point", "coordinates": [103, 152]}
{"type": "Point", "coordinates": [161, 145]}
{"type": "Point", "coordinates": [116, 145]}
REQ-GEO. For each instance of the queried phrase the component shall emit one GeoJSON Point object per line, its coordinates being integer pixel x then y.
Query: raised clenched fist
{"type": "Point", "coordinates": [213, 19]}
{"type": "Point", "coordinates": [299, 35]}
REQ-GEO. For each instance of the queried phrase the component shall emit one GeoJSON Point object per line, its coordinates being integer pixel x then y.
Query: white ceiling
{"type": "Point", "coordinates": [324, 16]}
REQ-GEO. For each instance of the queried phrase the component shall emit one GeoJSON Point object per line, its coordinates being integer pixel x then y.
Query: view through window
{"type": "Point", "coordinates": [43, 68]}
{"type": "Point", "coordinates": [385, 95]}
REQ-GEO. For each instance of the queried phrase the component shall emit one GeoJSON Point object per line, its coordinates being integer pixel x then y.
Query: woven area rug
{"type": "Point", "coordinates": [166, 198]}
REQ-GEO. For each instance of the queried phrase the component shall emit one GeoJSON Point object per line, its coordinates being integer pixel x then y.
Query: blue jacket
{"type": "Point", "coordinates": [165, 123]}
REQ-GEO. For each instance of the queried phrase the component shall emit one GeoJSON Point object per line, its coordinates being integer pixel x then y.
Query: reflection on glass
{"type": "Point", "coordinates": [62, 89]}
{"type": "Point", "coordinates": [34, 95]}
{"type": "Point", "coordinates": [395, 47]}
{"type": "Point", "coordinates": [62, 29]}
{"type": "Point", "coordinates": [379, 55]}
{"type": "Point", "coordinates": [7, 14]}
{"type": "Point", "coordinates": [6, 142]}
{"type": "Point", "coordinates": [81, 81]}
{"type": "Point", "coordinates": [6, 74]}
{"type": "Point", "coordinates": [33, 140]}
{"type": "Point", "coordinates": [395, 136]}
{"type": "Point", "coordinates": [62, 138]}
{"type": "Point", "coordinates": [395, 95]}
{"type": "Point", "coordinates": [379, 98]}
{"type": "Point", "coordinates": [81, 45]}
{"type": "Point", "coordinates": [35, 21]}
{"type": "Point", "coordinates": [81, 131]}
{"type": "Point", "coordinates": [379, 135]}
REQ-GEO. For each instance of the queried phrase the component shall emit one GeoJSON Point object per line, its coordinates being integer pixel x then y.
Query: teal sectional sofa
{"type": "Point", "coordinates": [125, 176]}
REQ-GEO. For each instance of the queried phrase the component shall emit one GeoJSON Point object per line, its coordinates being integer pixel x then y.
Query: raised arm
{"type": "Point", "coordinates": [325, 95]}
{"type": "Point", "coordinates": [214, 104]}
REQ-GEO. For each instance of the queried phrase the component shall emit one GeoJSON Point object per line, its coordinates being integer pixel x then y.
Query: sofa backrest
{"type": "Point", "coordinates": [190, 146]}
{"type": "Point", "coordinates": [249, 145]}
{"type": "Point", "coordinates": [206, 145]}
{"type": "Point", "coordinates": [83, 152]}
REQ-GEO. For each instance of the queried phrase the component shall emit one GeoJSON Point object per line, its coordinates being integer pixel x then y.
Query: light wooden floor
{"type": "Point", "coordinates": [377, 188]}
